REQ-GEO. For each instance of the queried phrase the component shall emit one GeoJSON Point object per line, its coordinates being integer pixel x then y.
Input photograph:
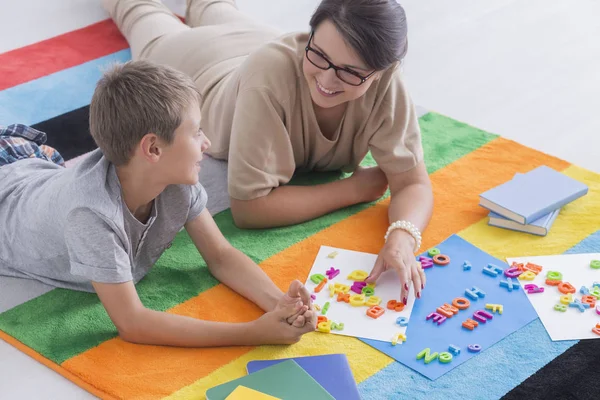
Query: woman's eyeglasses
{"type": "Point", "coordinates": [346, 75]}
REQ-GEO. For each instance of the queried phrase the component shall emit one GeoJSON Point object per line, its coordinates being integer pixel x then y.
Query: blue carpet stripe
{"type": "Point", "coordinates": [38, 100]}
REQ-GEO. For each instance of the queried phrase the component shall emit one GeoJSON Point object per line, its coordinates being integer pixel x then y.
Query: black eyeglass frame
{"type": "Point", "coordinates": [363, 79]}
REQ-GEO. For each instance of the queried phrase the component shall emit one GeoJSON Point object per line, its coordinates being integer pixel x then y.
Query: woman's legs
{"type": "Point", "coordinates": [215, 12]}
{"type": "Point", "coordinates": [218, 43]}
{"type": "Point", "coordinates": [142, 22]}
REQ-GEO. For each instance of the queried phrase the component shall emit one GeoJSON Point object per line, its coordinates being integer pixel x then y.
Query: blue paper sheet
{"type": "Point", "coordinates": [445, 283]}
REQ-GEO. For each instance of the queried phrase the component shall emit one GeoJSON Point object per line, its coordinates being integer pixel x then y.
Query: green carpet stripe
{"type": "Point", "coordinates": [61, 324]}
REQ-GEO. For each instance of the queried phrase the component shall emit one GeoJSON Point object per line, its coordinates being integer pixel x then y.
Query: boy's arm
{"type": "Point", "coordinates": [233, 268]}
{"type": "Point", "coordinates": [289, 205]}
{"type": "Point", "coordinates": [137, 324]}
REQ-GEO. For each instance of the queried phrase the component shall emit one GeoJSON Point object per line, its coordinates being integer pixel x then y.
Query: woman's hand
{"type": "Point", "coordinates": [398, 254]}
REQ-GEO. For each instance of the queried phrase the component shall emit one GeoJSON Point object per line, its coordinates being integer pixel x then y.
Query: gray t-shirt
{"type": "Point", "coordinates": [69, 226]}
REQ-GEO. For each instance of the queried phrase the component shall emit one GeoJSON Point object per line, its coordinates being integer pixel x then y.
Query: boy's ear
{"type": "Point", "coordinates": [150, 146]}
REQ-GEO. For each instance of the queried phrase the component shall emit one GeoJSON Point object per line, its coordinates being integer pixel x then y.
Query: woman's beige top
{"type": "Point", "coordinates": [260, 117]}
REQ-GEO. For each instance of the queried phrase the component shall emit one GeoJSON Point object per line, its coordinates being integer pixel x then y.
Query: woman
{"type": "Point", "coordinates": [319, 101]}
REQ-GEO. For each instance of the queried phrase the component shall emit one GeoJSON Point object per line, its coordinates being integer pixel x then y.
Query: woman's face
{"type": "Point", "coordinates": [326, 88]}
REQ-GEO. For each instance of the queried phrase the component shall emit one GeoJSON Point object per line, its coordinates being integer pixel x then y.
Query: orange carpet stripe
{"type": "Point", "coordinates": [53, 366]}
{"type": "Point", "coordinates": [167, 369]}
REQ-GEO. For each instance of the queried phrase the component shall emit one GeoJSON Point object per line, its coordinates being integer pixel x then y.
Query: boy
{"type": "Point", "coordinates": [101, 225]}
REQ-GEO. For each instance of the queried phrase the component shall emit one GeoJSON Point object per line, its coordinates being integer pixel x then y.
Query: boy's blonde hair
{"type": "Point", "coordinates": [134, 99]}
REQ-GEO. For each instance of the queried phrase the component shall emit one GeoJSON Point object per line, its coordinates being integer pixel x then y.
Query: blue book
{"type": "Point", "coordinates": [532, 195]}
{"type": "Point", "coordinates": [540, 226]}
{"type": "Point", "coordinates": [331, 371]}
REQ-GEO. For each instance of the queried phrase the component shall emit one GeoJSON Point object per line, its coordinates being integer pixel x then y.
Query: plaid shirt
{"type": "Point", "coordinates": [18, 142]}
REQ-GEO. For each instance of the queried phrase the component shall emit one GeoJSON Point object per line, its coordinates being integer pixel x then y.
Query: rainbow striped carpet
{"type": "Point", "coordinates": [49, 85]}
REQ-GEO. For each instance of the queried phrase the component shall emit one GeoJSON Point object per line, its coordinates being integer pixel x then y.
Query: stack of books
{"type": "Point", "coordinates": [324, 377]}
{"type": "Point", "coordinates": [530, 202]}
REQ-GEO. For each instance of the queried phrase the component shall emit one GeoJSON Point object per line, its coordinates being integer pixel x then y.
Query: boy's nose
{"type": "Point", "coordinates": [206, 144]}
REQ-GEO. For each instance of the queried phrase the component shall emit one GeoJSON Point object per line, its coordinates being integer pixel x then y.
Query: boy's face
{"type": "Point", "coordinates": [180, 161]}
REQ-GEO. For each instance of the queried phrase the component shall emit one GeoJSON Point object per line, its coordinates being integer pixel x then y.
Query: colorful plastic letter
{"type": "Point", "coordinates": [426, 262]}
{"type": "Point", "coordinates": [325, 308]}
{"type": "Point", "coordinates": [332, 273]}
{"type": "Point", "coordinates": [357, 287]}
{"type": "Point", "coordinates": [398, 337]}
{"type": "Point", "coordinates": [560, 307]}
{"type": "Point", "coordinates": [482, 316]}
{"type": "Point", "coordinates": [313, 297]}
{"type": "Point", "coordinates": [474, 293]}
{"type": "Point", "coordinates": [341, 288]}
{"type": "Point", "coordinates": [584, 290]}
{"type": "Point", "coordinates": [436, 318]}
{"type": "Point", "coordinates": [402, 321]}
{"type": "Point", "coordinates": [333, 255]}
{"type": "Point", "coordinates": [357, 300]}
{"type": "Point", "coordinates": [527, 276]}
{"type": "Point", "coordinates": [375, 312]}
{"type": "Point", "coordinates": [554, 276]}
{"type": "Point", "coordinates": [321, 318]}
{"type": "Point", "coordinates": [395, 305]}
{"type": "Point", "coordinates": [595, 292]}
{"type": "Point", "coordinates": [566, 288]}
{"type": "Point", "coordinates": [492, 270]}
{"type": "Point", "coordinates": [596, 330]}
{"type": "Point", "coordinates": [358, 275]}
{"type": "Point", "coordinates": [345, 297]}
{"type": "Point", "coordinates": [317, 278]}
{"type": "Point", "coordinates": [461, 303]}
{"type": "Point", "coordinates": [467, 266]}
{"type": "Point", "coordinates": [441, 259]}
{"type": "Point", "coordinates": [426, 354]}
{"type": "Point", "coordinates": [474, 348]}
{"type": "Point", "coordinates": [531, 288]}
{"type": "Point", "coordinates": [337, 326]}
{"type": "Point", "coordinates": [598, 309]}
{"type": "Point", "coordinates": [324, 327]}
{"type": "Point", "coordinates": [447, 310]}
{"type": "Point", "coordinates": [368, 291]}
{"type": "Point", "coordinates": [454, 349]}
{"type": "Point", "coordinates": [578, 304]}
{"type": "Point", "coordinates": [445, 357]}
{"type": "Point", "coordinates": [595, 264]}
{"type": "Point", "coordinates": [433, 252]}
{"type": "Point", "coordinates": [321, 285]}
{"type": "Point", "coordinates": [512, 272]}
{"type": "Point", "coordinates": [470, 324]}
{"type": "Point", "coordinates": [495, 307]}
{"type": "Point", "coordinates": [373, 301]}
{"type": "Point", "coordinates": [566, 299]}
{"type": "Point", "coordinates": [536, 269]}
{"type": "Point", "coordinates": [591, 300]}
{"type": "Point", "coordinates": [510, 284]}
{"type": "Point", "coordinates": [550, 282]}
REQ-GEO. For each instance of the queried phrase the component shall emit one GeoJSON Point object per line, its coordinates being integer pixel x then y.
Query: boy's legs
{"type": "Point", "coordinates": [19, 142]}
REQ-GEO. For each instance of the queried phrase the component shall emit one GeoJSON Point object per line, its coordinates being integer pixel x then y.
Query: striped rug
{"type": "Point", "coordinates": [49, 85]}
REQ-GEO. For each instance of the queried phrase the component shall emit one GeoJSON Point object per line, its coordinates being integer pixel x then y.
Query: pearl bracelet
{"type": "Point", "coordinates": [408, 227]}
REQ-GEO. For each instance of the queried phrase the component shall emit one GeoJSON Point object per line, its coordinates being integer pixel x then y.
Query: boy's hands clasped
{"type": "Point", "coordinates": [292, 317]}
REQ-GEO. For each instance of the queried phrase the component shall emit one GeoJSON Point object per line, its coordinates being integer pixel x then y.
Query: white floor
{"type": "Point", "coordinates": [527, 70]}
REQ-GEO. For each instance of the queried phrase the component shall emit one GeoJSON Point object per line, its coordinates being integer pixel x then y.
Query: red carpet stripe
{"type": "Point", "coordinates": [61, 52]}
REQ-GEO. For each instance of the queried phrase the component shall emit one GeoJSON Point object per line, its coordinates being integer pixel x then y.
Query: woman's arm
{"type": "Point", "coordinates": [289, 205]}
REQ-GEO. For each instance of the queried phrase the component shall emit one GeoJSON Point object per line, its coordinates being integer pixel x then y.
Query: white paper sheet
{"type": "Point", "coordinates": [355, 319]}
{"type": "Point", "coordinates": [575, 268]}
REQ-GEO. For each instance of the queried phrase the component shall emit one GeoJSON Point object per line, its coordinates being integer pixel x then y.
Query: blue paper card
{"type": "Point", "coordinates": [444, 284]}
